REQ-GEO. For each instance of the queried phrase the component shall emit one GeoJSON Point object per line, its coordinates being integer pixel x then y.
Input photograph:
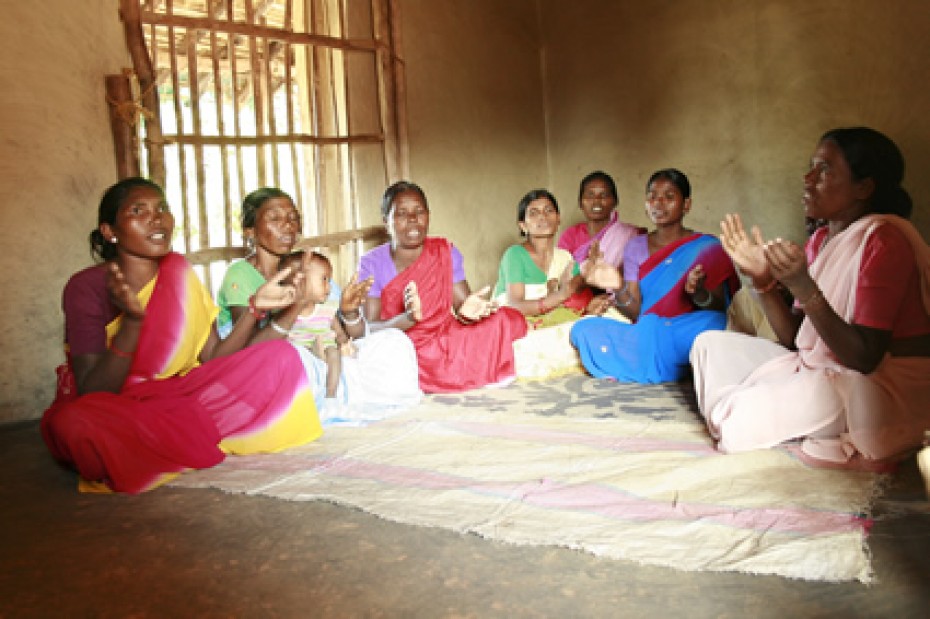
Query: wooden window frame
{"type": "Point", "coordinates": [315, 31]}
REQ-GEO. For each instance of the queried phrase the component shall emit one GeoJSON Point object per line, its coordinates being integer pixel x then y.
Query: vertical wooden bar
{"type": "Point", "coordinates": [271, 143]}
{"type": "Point", "coordinates": [221, 130]}
{"type": "Point", "coordinates": [160, 75]}
{"type": "Point", "coordinates": [319, 129]}
{"type": "Point", "coordinates": [332, 185]}
{"type": "Point", "coordinates": [179, 120]}
{"type": "Point", "coordinates": [400, 89]}
{"type": "Point", "coordinates": [349, 253]}
{"type": "Point", "coordinates": [237, 126]}
{"type": "Point", "coordinates": [257, 95]}
{"type": "Point", "coordinates": [347, 196]}
{"type": "Point", "coordinates": [119, 95]}
{"type": "Point", "coordinates": [193, 76]}
{"type": "Point", "coordinates": [386, 91]}
{"type": "Point", "coordinates": [310, 126]}
{"type": "Point", "coordinates": [135, 41]}
{"type": "Point", "coordinates": [290, 93]}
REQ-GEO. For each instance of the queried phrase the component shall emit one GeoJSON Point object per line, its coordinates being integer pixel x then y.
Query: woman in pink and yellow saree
{"type": "Point", "coordinates": [149, 390]}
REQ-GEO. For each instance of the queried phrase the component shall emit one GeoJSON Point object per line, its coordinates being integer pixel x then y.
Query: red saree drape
{"type": "Point", "coordinates": [451, 356]}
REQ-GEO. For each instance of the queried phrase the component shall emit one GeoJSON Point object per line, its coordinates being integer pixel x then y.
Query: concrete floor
{"type": "Point", "coordinates": [197, 553]}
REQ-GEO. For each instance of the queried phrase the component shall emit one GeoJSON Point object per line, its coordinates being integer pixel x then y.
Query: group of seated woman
{"type": "Point", "coordinates": [619, 301]}
{"type": "Point", "coordinates": [150, 388]}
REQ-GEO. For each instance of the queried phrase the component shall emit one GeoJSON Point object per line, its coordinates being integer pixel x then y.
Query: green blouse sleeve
{"type": "Point", "coordinates": [241, 281]}
{"type": "Point", "coordinates": [511, 269]}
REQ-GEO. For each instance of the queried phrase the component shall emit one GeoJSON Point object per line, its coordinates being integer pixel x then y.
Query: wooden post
{"type": "Point", "coordinates": [119, 96]}
{"type": "Point", "coordinates": [400, 88]}
{"type": "Point", "coordinates": [142, 63]}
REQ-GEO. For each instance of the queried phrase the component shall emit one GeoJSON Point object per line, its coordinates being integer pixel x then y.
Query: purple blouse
{"type": "Point", "coordinates": [634, 255]}
{"type": "Point", "coordinates": [378, 263]}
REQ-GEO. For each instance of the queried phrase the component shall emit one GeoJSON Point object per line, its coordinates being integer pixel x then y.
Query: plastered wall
{"type": "Point", "coordinates": [502, 96]}
{"type": "Point", "coordinates": [56, 157]}
{"type": "Point", "coordinates": [734, 93]}
{"type": "Point", "coordinates": [477, 131]}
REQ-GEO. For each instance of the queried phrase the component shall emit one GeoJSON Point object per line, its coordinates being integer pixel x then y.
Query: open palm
{"type": "Point", "coordinates": [274, 295]}
{"type": "Point", "coordinates": [476, 307]}
{"type": "Point", "coordinates": [745, 250]}
{"type": "Point", "coordinates": [121, 294]}
{"type": "Point", "coordinates": [599, 273]}
{"type": "Point", "coordinates": [354, 294]}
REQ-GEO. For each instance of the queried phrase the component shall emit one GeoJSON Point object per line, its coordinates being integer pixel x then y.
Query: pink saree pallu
{"type": "Point", "coordinates": [172, 414]}
{"type": "Point", "coordinates": [612, 240]}
{"type": "Point", "coordinates": [451, 356]}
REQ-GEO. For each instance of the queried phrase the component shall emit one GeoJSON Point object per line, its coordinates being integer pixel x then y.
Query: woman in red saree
{"type": "Point", "coordinates": [134, 405]}
{"type": "Point", "coordinates": [463, 341]}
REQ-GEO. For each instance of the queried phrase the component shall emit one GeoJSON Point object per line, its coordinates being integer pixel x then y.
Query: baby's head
{"type": "Point", "coordinates": [317, 271]}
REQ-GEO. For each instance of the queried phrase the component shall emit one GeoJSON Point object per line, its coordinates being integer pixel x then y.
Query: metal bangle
{"type": "Point", "coordinates": [767, 288]}
{"type": "Point", "coordinates": [815, 299]}
{"type": "Point", "coordinates": [120, 352]}
{"type": "Point", "coordinates": [706, 302]}
{"type": "Point", "coordinates": [465, 320]}
{"type": "Point", "coordinates": [350, 323]}
{"type": "Point", "coordinates": [278, 328]}
{"type": "Point", "coordinates": [629, 298]}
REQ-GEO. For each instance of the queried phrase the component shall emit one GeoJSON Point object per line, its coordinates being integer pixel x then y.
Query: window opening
{"type": "Point", "coordinates": [241, 94]}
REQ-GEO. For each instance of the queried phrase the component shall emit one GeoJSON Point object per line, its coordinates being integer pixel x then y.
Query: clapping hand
{"type": "Point", "coordinates": [354, 294]}
{"type": "Point", "coordinates": [273, 295]}
{"type": "Point", "coordinates": [122, 295]}
{"type": "Point", "coordinates": [747, 252]}
{"type": "Point", "coordinates": [695, 281]}
{"type": "Point", "coordinates": [412, 305]}
{"type": "Point", "coordinates": [566, 286]}
{"type": "Point", "coordinates": [598, 305]}
{"type": "Point", "coordinates": [475, 307]}
{"type": "Point", "coordinates": [562, 286]}
{"type": "Point", "coordinates": [788, 264]}
{"type": "Point", "coordinates": [598, 272]}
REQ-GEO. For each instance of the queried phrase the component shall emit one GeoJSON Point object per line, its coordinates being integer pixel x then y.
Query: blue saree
{"type": "Point", "coordinates": [655, 348]}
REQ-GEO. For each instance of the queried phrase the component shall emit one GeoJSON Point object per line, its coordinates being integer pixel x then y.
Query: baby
{"type": "Point", "coordinates": [316, 327]}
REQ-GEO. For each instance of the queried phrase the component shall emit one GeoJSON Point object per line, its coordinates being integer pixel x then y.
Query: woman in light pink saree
{"type": "Point", "coordinates": [850, 375]}
{"type": "Point", "coordinates": [597, 199]}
